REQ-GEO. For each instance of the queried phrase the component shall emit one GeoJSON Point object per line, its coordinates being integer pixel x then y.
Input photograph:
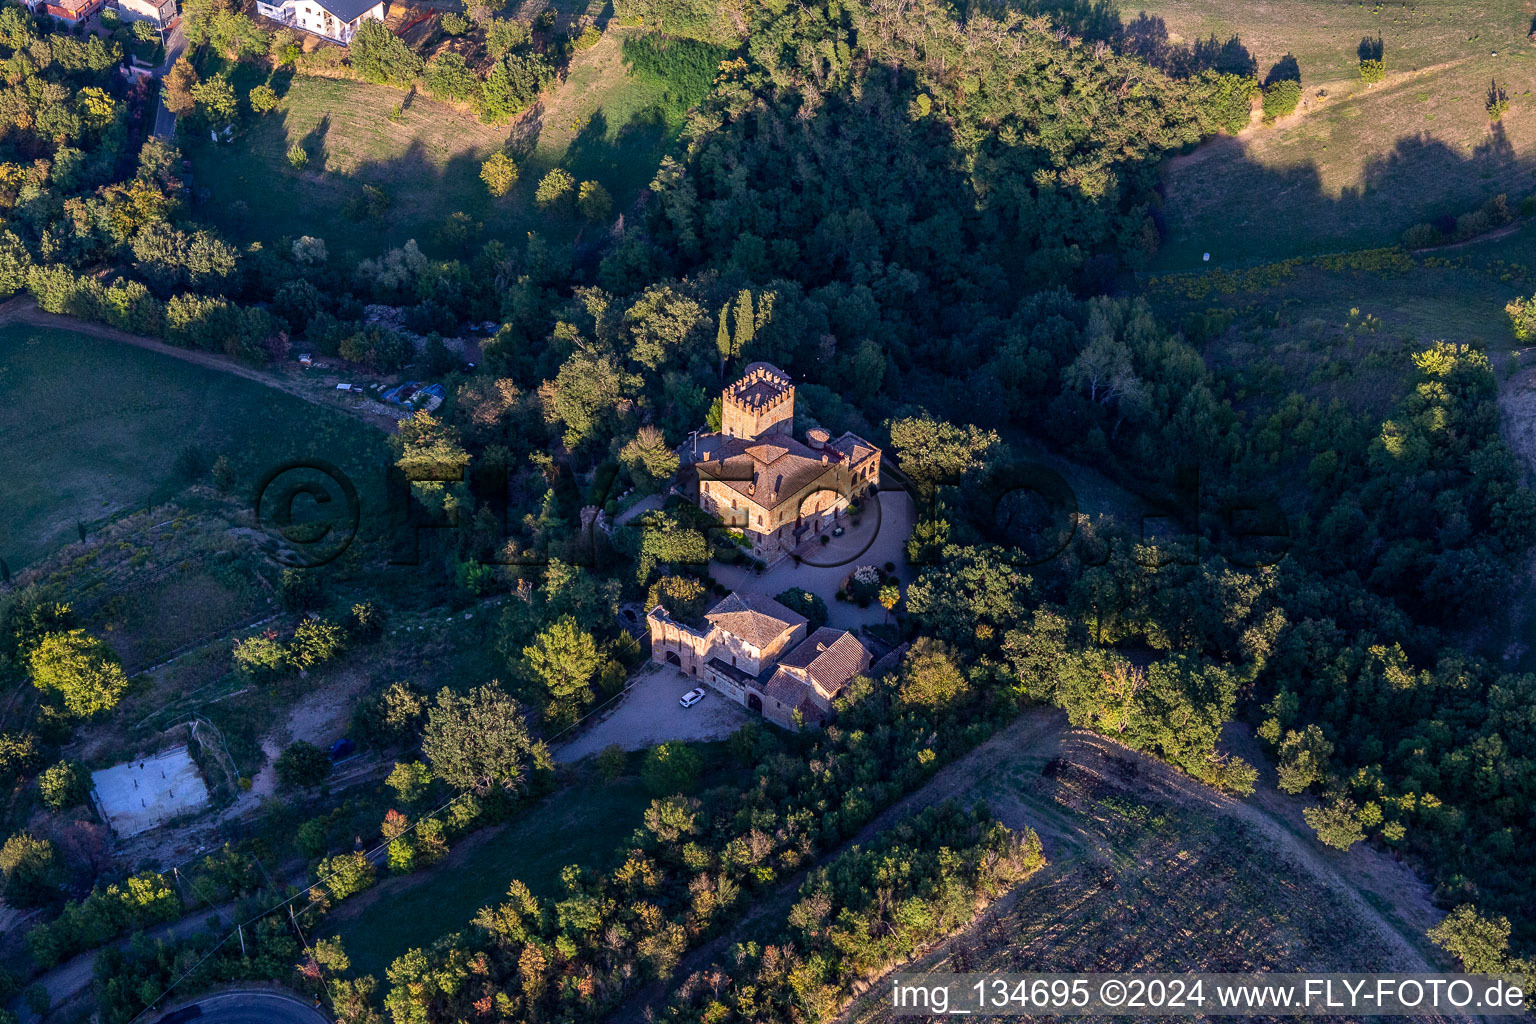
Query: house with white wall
{"type": "Point", "coordinates": [336, 20]}
{"type": "Point", "coordinates": [158, 13]}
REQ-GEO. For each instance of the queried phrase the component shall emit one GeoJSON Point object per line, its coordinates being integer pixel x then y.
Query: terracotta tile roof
{"type": "Point", "coordinates": [829, 658]}
{"type": "Point", "coordinates": [754, 618]}
{"type": "Point", "coordinates": [785, 689]}
{"type": "Point", "coordinates": [768, 473]}
{"type": "Point", "coordinates": [853, 448]}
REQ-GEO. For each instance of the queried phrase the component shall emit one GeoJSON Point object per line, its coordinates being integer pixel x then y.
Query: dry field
{"type": "Point", "coordinates": [1150, 871]}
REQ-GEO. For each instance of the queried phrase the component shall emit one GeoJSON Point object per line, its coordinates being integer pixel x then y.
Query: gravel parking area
{"type": "Point", "coordinates": [649, 714]}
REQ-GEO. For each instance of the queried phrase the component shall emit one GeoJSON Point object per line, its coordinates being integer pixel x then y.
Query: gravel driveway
{"type": "Point", "coordinates": [649, 714]}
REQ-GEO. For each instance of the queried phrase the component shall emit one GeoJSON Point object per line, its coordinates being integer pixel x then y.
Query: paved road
{"type": "Point", "coordinates": [256, 1006]}
{"type": "Point", "coordinates": [175, 46]}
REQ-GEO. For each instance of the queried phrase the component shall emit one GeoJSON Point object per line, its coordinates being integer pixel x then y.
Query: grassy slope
{"type": "Point", "coordinates": [582, 825]}
{"type": "Point", "coordinates": [1322, 34]}
{"type": "Point", "coordinates": [428, 161]}
{"type": "Point", "coordinates": [1358, 166]}
{"type": "Point", "coordinates": [90, 427]}
{"type": "Point", "coordinates": [595, 123]}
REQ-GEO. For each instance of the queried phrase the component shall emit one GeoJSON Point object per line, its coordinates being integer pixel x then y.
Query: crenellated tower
{"type": "Point", "coordinates": [761, 402]}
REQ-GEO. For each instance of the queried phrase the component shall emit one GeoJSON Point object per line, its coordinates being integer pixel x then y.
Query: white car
{"type": "Point", "coordinates": [691, 698]}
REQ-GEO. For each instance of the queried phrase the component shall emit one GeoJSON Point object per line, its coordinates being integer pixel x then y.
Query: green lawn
{"type": "Point", "coordinates": [428, 162]}
{"type": "Point", "coordinates": [597, 124]}
{"type": "Point", "coordinates": [584, 824]}
{"type": "Point", "coordinates": [91, 427]}
{"type": "Point", "coordinates": [1358, 164]}
{"type": "Point", "coordinates": [605, 125]}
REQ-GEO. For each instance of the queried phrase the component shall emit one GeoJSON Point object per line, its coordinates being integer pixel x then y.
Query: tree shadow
{"type": "Point", "coordinates": [1280, 212]}
{"type": "Point", "coordinates": [1286, 69]}
{"type": "Point", "coordinates": [313, 141]}
{"type": "Point", "coordinates": [281, 80]}
{"type": "Point", "coordinates": [526, 129]}
{"type": "Point", "coordinates": [1146, 36]}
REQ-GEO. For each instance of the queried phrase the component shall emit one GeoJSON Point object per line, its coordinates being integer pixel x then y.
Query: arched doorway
{"type": "Point", "coordinates": [754, 703]}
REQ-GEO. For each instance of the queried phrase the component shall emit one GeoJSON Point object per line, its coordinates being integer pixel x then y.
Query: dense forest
{"type": "Point", "coordinates": [931, 217]}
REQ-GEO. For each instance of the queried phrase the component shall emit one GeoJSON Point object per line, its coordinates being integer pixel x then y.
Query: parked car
{"type": "Point", "coordinates": [691, 698]}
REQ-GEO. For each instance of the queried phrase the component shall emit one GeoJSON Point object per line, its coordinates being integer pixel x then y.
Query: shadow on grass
{"type": "Point", "coordinates": [334, 195]}
{"type": "Point", "coordinates": [1250, 213]}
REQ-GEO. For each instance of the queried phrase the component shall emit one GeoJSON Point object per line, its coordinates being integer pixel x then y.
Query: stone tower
{"type": "Point", "coordinates": [761, 402]}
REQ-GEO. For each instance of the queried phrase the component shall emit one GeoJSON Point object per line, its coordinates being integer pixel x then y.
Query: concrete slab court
{"type": "Point", "coordinates": [148, 792]}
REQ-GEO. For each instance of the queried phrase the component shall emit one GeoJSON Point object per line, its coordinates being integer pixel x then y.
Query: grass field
{"type": "Point", "coordinates": [582, 825]}
{"type": "Point", "coordinates": [1357, 164]}
{"type": "Point", "coordinates": [428, 161]}
{"type": "Point", "coordinates": [604, 124]}
{"type": "Point", "coordinates": [597, 124]}
{"type": "Point", "coordinates": [1323, 34]}
{"type": "Point", "coordinates": [1354, 172]}
{"type": "Point", "coordinates": [91, 427]}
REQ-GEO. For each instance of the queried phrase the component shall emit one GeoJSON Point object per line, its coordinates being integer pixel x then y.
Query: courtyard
{"type": "Point", "coordinates": [880, 537]}
{"type": "Point", "coordinates": [649, 714]}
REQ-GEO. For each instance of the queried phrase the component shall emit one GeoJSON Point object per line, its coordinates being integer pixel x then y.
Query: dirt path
{"type": "Point", "coordinates": [24, 310]}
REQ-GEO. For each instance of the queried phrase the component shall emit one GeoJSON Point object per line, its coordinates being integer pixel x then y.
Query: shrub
{"type": "Point", "coordinates": [1422, 236]}
{"type": "Point", "coordinates": [1497, 101]}
{"type": "Point", "coordinates": [611, 761]}
{"type": "Point", "coordinates": [298, 589]}
{"type": "Point", "coordinates": [593, 201]}
{"type": "Point", "coordinates": [1281, 98]}
{"type": "Point", "coordinates": [62, 785]}
{"type": "Point", "coordinates": [1470, 225]}
{"type": "Point", "coordinates": [555, 190]}
{"type": "Point", "coordinates": [263, 98]}
{"type": "Point", "coordinates": [499, 174]}
{"type": "Point", "coordinates": [671, 767]}
{"type": "Point", "coordinates": [684, 68]}
{"type": "Point", "coordinates": [301, 765]}
{"type": "Point", "coordinates": [1224, 101]}
{"type": "Point", "coordinates": [1522, 317]}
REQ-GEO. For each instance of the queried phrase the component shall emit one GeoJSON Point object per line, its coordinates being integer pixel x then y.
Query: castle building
{"type": "Point", "coordinates": [754, 650]}
{"type": "Point", "coordinates": [755, 476]}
